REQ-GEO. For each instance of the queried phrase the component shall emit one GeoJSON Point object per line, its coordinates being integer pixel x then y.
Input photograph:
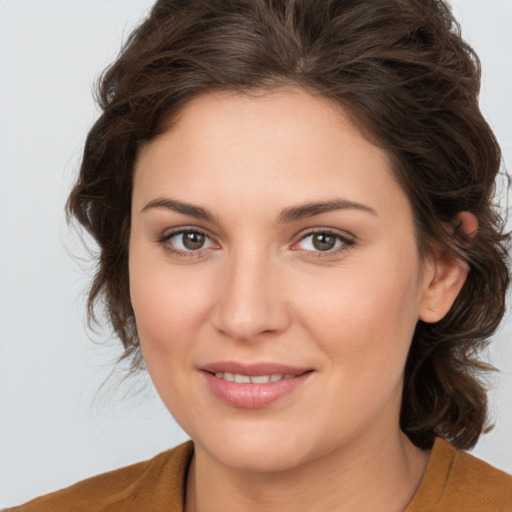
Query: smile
{"type": "Point", "coordinates": [253, 386]}
{"type": "Point", "coordinates": [253, 379]}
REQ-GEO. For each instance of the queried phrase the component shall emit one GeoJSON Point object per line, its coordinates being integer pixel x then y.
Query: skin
{"type": "Point", "coordinates": [259, 290]}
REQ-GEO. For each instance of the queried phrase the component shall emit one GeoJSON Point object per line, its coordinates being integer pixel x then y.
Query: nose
{"type": "Point", "coordinates": [251, 301]}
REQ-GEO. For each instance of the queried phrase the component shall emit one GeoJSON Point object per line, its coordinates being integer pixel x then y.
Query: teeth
{"type": "Point", "coordinates": [260, 379]}
{"type": "Point", "coordinates": [255, 379]}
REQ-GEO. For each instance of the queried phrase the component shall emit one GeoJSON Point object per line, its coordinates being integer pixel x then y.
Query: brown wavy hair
{"type": "Point", "coordinates": [406, 77]}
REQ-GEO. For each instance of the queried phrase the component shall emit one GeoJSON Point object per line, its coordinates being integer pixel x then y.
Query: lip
{"type": "Point", "coordinates": [249, 395]}
{"type": "Point", "coordinates": [252, 369]}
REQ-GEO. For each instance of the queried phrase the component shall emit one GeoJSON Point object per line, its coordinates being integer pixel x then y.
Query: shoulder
{"type": "Point", "coordinates": [457, 481]}
{"type": "Point", "coordinates": [158, 482]}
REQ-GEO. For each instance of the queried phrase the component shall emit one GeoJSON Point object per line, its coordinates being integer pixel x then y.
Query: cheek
{"type": "Point", "coordinates": [169, 310]}
{"type": "Point", "coordinates": [366, 317]}
{"type": "Point", "coordinates": [168, 305]}
{"type": "Point", "coordinates": [163, 312]}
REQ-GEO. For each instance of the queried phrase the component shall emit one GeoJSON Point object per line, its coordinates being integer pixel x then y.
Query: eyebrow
{"type": "Point", "coordinates": [179, 207]}
{"type": "Point", "coordinates": [294, 213]}
{"type": "Point", "coordinates": [290, 214]}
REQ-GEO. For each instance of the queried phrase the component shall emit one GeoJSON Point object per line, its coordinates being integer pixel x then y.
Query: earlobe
{"type": "Point", "coordinates": [444, 277]}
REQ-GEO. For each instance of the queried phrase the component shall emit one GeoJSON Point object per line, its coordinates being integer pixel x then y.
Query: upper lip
{"type": "Point", "coordinates": [253, 369]}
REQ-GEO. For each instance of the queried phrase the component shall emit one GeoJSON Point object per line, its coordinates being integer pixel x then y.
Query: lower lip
{"type": "Point", "coordinates": [253, 396]}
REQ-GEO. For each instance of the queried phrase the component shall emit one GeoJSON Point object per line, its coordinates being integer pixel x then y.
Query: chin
{"type": "Point", "coordinates": [257, 459]}
{"type": "Point", "coordinates": [262, 451]}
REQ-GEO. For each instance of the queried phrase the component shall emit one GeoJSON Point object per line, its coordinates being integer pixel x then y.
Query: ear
{"type": "Point", "coordinates": [443, 281]}
{"type": "Point", "coordinates": [444, 277]}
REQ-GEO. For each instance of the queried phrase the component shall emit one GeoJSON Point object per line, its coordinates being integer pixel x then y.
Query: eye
{"type": "Point", "coordinates": [191, 241]}
{"type": "Point", "coordinates": [324, 242]}
{"type": "Point", "coordinates": [187, 241]}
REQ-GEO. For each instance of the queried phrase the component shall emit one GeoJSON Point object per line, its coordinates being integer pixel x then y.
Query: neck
{"type": "Point", "coordinates": [376, 473]}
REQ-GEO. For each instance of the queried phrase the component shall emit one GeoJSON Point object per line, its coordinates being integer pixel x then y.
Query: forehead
{"type": "Point", "coordinates": [273, 147]}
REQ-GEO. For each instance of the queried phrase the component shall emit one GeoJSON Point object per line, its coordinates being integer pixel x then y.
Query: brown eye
{"type": "Point", "coordinates": [327, 242]}
{"type": "Point", "coordinates": [193, 240]}
{"type": "Point", "coordinates": [187, 242]}
{"type": "Point", "coordinates": [323, 241]}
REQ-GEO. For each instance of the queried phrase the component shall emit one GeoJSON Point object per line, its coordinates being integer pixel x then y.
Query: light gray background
{"type": "Point", "coordinates": [55, 427]}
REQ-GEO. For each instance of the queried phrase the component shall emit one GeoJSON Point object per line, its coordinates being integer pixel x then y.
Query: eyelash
{"type": "Point", "coordinates": [346, 243]}
{"type": "Point", "coordinates": [165, 239]}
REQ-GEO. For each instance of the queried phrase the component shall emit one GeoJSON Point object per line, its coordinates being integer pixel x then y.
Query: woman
{"type": "Point", "coordinates": [293, 203]}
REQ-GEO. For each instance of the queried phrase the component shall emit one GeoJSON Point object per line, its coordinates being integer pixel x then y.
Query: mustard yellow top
{"type": "Point", "coordinates": [454, 481]}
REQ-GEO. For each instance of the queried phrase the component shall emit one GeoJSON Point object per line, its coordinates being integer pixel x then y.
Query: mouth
{"type": "Point", "coordinates": [253, 379]}
{"type": "Point", "coordinates": [253, 386]}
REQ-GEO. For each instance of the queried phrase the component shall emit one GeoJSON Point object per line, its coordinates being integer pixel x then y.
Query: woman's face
{"type": "Point", "coordinates": [275, 279]}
